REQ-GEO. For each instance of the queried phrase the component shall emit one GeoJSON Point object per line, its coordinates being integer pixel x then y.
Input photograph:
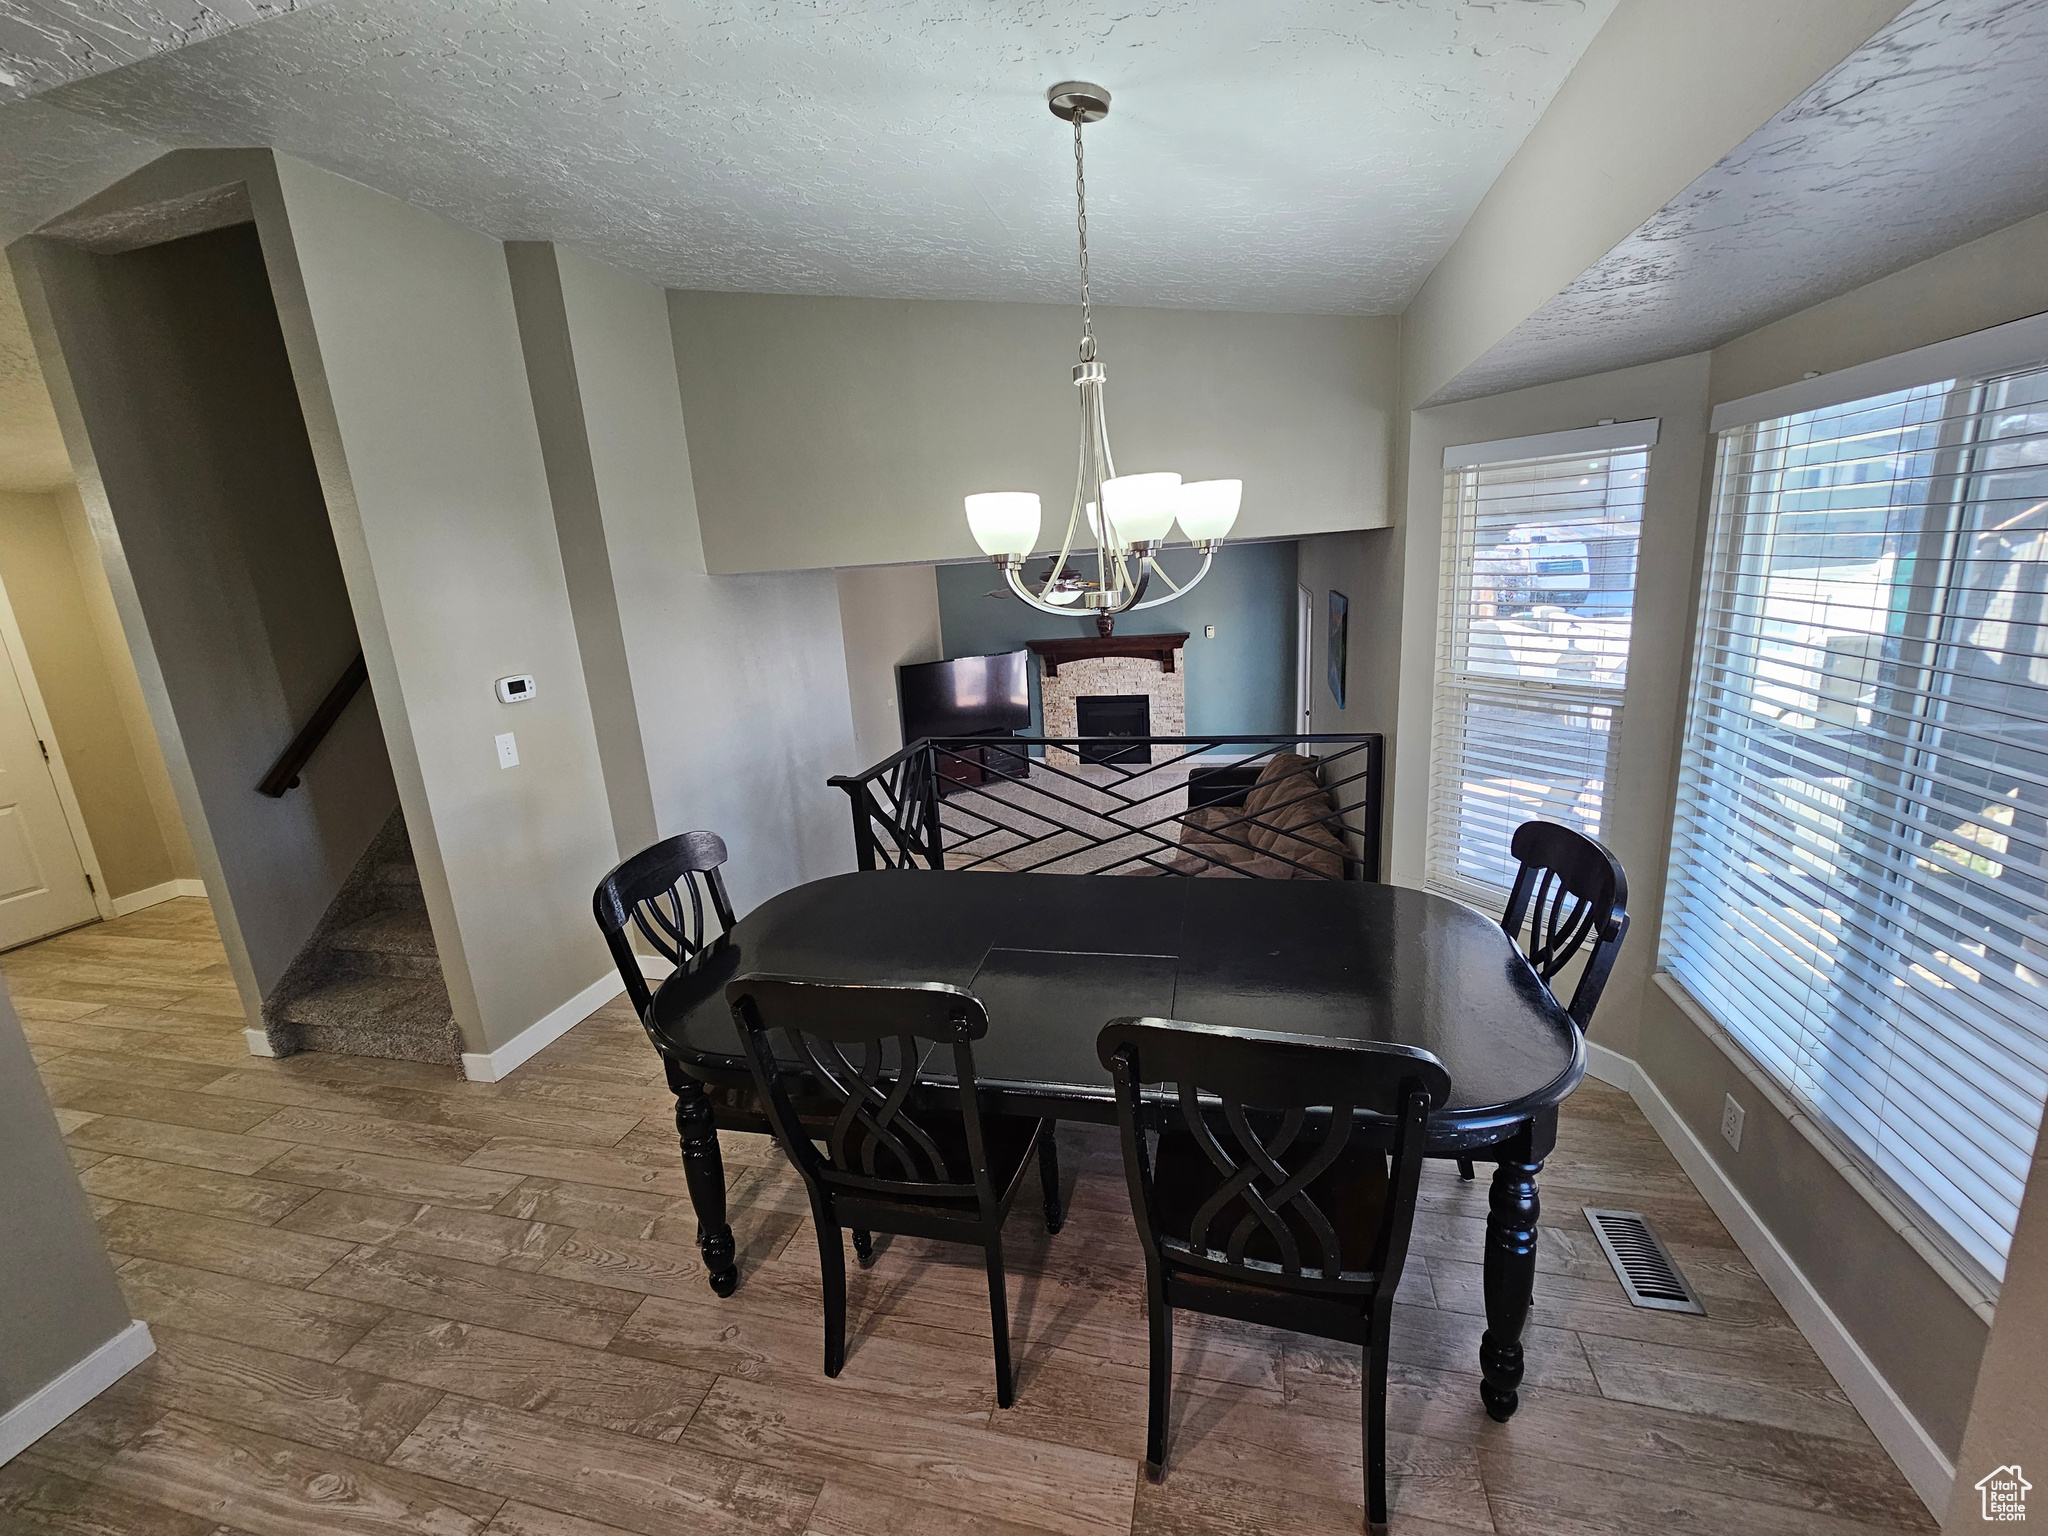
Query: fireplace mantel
{"type": "Point", "coordinates": [1159, 648]}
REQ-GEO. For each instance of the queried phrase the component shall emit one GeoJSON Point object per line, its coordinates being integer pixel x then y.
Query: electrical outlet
{"type": "Point", "coordinates": [1732, 1115]}
{"type": "Point", "coordinates": [508, 751]}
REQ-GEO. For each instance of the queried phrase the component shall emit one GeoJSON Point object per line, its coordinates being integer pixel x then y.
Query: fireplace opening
{"type": "Point", "coordinates": [1112, 715]}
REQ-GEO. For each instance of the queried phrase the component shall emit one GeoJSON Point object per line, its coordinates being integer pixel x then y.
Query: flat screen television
{"type": "Point", "coordinates": [967, 696]}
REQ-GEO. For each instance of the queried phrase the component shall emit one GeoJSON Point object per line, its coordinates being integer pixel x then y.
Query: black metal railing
{"type": "Point", "coordinates": [1127, 805]}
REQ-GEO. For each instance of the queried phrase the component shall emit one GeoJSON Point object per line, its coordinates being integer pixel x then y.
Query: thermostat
{"type": "Point", "coordinates": [515, 690]}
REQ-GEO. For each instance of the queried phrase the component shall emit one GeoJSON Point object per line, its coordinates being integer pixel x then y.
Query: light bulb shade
{"type": "Point", "coordinates": [1208, 508]}
{"type": "Point", "coordinates": [1141, 507]}
{"type": "Point", "coordinates": [1004, 522]}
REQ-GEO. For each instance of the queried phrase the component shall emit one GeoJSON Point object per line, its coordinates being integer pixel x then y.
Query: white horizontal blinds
{"type": "Point", "coordinates": [1859, 878]}
{"type": "Point", "coordinates": [1538, 594]}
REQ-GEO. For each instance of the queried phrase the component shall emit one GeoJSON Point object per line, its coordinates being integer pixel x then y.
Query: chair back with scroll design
{"type": "Point", "coordinates": [1281, 1190]}
{"type": "Point", "coordinates": [1272, 1114]}
{"type": "Point", "coordinates": [662, 891]}
{"type": "Point", "coordinates": [869, 1052]}
{"type": "Point", "coordinates": [897, 1141]}
{"type": "Point", "coordinates": [1570, 891]}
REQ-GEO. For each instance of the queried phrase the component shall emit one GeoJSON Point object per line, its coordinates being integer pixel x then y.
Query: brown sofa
{"type": "Point", "coordinates": [1286, 828]}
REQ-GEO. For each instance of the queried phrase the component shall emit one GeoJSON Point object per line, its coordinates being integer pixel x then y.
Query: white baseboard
{"type": "Point", "coordinates": [35, 1416]}
{"type": "Point", "coordinates": [258, 1041]}
{"type": "Point", "coordinates": [1611, 1067]}
{"type": "Point", "coordinates": [1926, 1467]}
{"type": "Point", "coordinates": [170, 890]}
{"type": "Point", "coordinates": [494, 1066]}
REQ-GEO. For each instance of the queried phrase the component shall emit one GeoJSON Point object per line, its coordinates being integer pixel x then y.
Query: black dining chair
{"type": "Point", "coordinates": [1569, 891]}
{"type": "Point", "coordinates": [1280, 1191]}
{"type": "Point", "coordinates": [662, 893]}
{"type": "Point", "coordinates": [910, 1149]}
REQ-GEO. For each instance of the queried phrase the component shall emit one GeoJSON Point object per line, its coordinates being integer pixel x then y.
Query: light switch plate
{"type": "Point", "coordinates": [508, 751]}
{"type": "Point", "coordinates": [1732, 1116]}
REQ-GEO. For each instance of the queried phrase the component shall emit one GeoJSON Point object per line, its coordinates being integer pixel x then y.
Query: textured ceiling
{"type": "Point", "coordinates": [48, 42]}
{"type": "Point", "coordinates": [1933, 133]}
{"type": "Point", "coordinates": [1314, 155]}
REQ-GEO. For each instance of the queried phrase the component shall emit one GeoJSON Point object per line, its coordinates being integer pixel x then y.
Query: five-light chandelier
{"type": "Point", "coordinates": [1129, 516]}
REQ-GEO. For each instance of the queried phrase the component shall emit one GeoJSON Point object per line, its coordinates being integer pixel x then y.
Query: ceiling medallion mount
{"type": "Point", "coordinates": [1128, 516]}
{"type": "Point", "coordinates": [1078, 98]}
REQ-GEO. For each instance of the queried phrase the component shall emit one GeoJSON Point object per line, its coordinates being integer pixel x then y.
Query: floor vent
{"type": "Point", "coordinates": [1641, 1263]}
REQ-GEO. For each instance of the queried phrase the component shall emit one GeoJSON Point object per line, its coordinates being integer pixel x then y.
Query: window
{"type": "Point", "coordinates": [1858, 888]}
{"type": "Point", "coordinates": [1539, 576]}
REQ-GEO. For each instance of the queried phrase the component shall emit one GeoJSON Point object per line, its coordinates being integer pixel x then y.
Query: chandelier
{"type": "Point", "coordinates": [1128, 516]}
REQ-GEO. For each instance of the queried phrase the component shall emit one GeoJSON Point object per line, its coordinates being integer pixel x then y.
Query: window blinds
{"type": "Point", "coordinates": [1858, 886]}
{"type": "Point", "coordinates": [1538, 594]}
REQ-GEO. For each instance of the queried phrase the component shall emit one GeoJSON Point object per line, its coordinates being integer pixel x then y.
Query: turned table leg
{"type": "Point", "coordinates": [704, 1170]}
{"type": "Point", "coordinates": [1510, 1268]}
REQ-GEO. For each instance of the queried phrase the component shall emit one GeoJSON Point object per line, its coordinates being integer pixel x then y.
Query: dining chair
{"type": "Point", "coordinates": [1568, 891]}
{"type": "Point", "coordinates": [662, 893]}
{"type": "Point", "coordinates": [649, 892]}
{"type": "Point", "coordinates": [1280, 1191]}
{"type": "Point", "coordinates": [910, 1150]}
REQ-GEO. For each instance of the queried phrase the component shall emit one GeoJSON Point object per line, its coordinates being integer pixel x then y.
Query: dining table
{"type": "Point", "coordinates": [1053, 958]}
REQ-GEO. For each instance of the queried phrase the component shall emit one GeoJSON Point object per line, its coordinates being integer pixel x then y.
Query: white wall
{"type": "Point", "coordinates": [889, 615]}
{"type": "Point", "coordinates": [841, 432]}
{"type": "Point", "coordinates": [407, 350]}
{"type": "Point", "coordinates": [738, 682]}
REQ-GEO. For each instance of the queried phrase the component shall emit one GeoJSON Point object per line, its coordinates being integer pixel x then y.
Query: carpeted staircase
{"type": "Point", "coordinates": [368, 983]}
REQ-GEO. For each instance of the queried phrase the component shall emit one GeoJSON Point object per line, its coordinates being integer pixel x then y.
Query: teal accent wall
{"type": "Point", "coordinates": [1240, 683]}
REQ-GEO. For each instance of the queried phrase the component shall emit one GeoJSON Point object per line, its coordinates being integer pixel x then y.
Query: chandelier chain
{"type": "Point", "coordinates": [1081, 225]}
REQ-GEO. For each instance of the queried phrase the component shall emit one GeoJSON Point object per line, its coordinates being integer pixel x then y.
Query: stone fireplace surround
{"type": "Point", "coordinates": [1118, 664]}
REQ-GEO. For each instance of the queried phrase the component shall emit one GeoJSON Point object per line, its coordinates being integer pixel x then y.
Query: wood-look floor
{"type": "Point", "coordinates": [388, 1300]}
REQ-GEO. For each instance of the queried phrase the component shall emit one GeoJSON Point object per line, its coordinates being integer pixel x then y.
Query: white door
{"type": "Point", "coordinates": [1304, 659]}
{"type": "Point", "coordinates": [42, 879]}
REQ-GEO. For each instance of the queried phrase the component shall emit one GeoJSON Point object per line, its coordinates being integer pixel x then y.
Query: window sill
{"type": "Point", "coordinates": [1979, 1295]}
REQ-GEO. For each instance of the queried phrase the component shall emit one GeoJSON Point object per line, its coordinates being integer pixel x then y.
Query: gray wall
{"type": "Point", "coordinates": [837, 432]}
{"type": "Point", "coordinates": [727, 694]}
{"type": "Point", "coordinates": [1918, 1329]}
{"type": "Point", "coordinates": [567, 450]}
{"type": "Point", "coordinates": [1240, 683]}
{"type": "Point", "coordinates": [1922, 1324]}
{"type": "Point", "coordinates": [1636, 822]}
{"type": "Point", "coordinates": [888, 615]}
{"type": "Point", "coordinates": [62, 1301]}
{"type": "Point", "coordinates": [180, 408]}
{"type": "Point", "coordinates": [406, 347]}
{"type": "Point", "coordinates": [2006, 1421]}
{"type": "Point", "coordinates": [82, 687]}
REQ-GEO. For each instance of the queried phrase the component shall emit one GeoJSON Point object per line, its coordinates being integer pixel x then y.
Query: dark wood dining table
{"type": "Point", "coordinates": [1054, 957]}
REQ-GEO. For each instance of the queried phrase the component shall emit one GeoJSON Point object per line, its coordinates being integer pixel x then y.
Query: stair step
{"type": "Point", "coordinates": [399, 1017]}
{"type": "Point", "coordinates": [399, 872]}
{"type": "Point", "coordinates": [398, 942]}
